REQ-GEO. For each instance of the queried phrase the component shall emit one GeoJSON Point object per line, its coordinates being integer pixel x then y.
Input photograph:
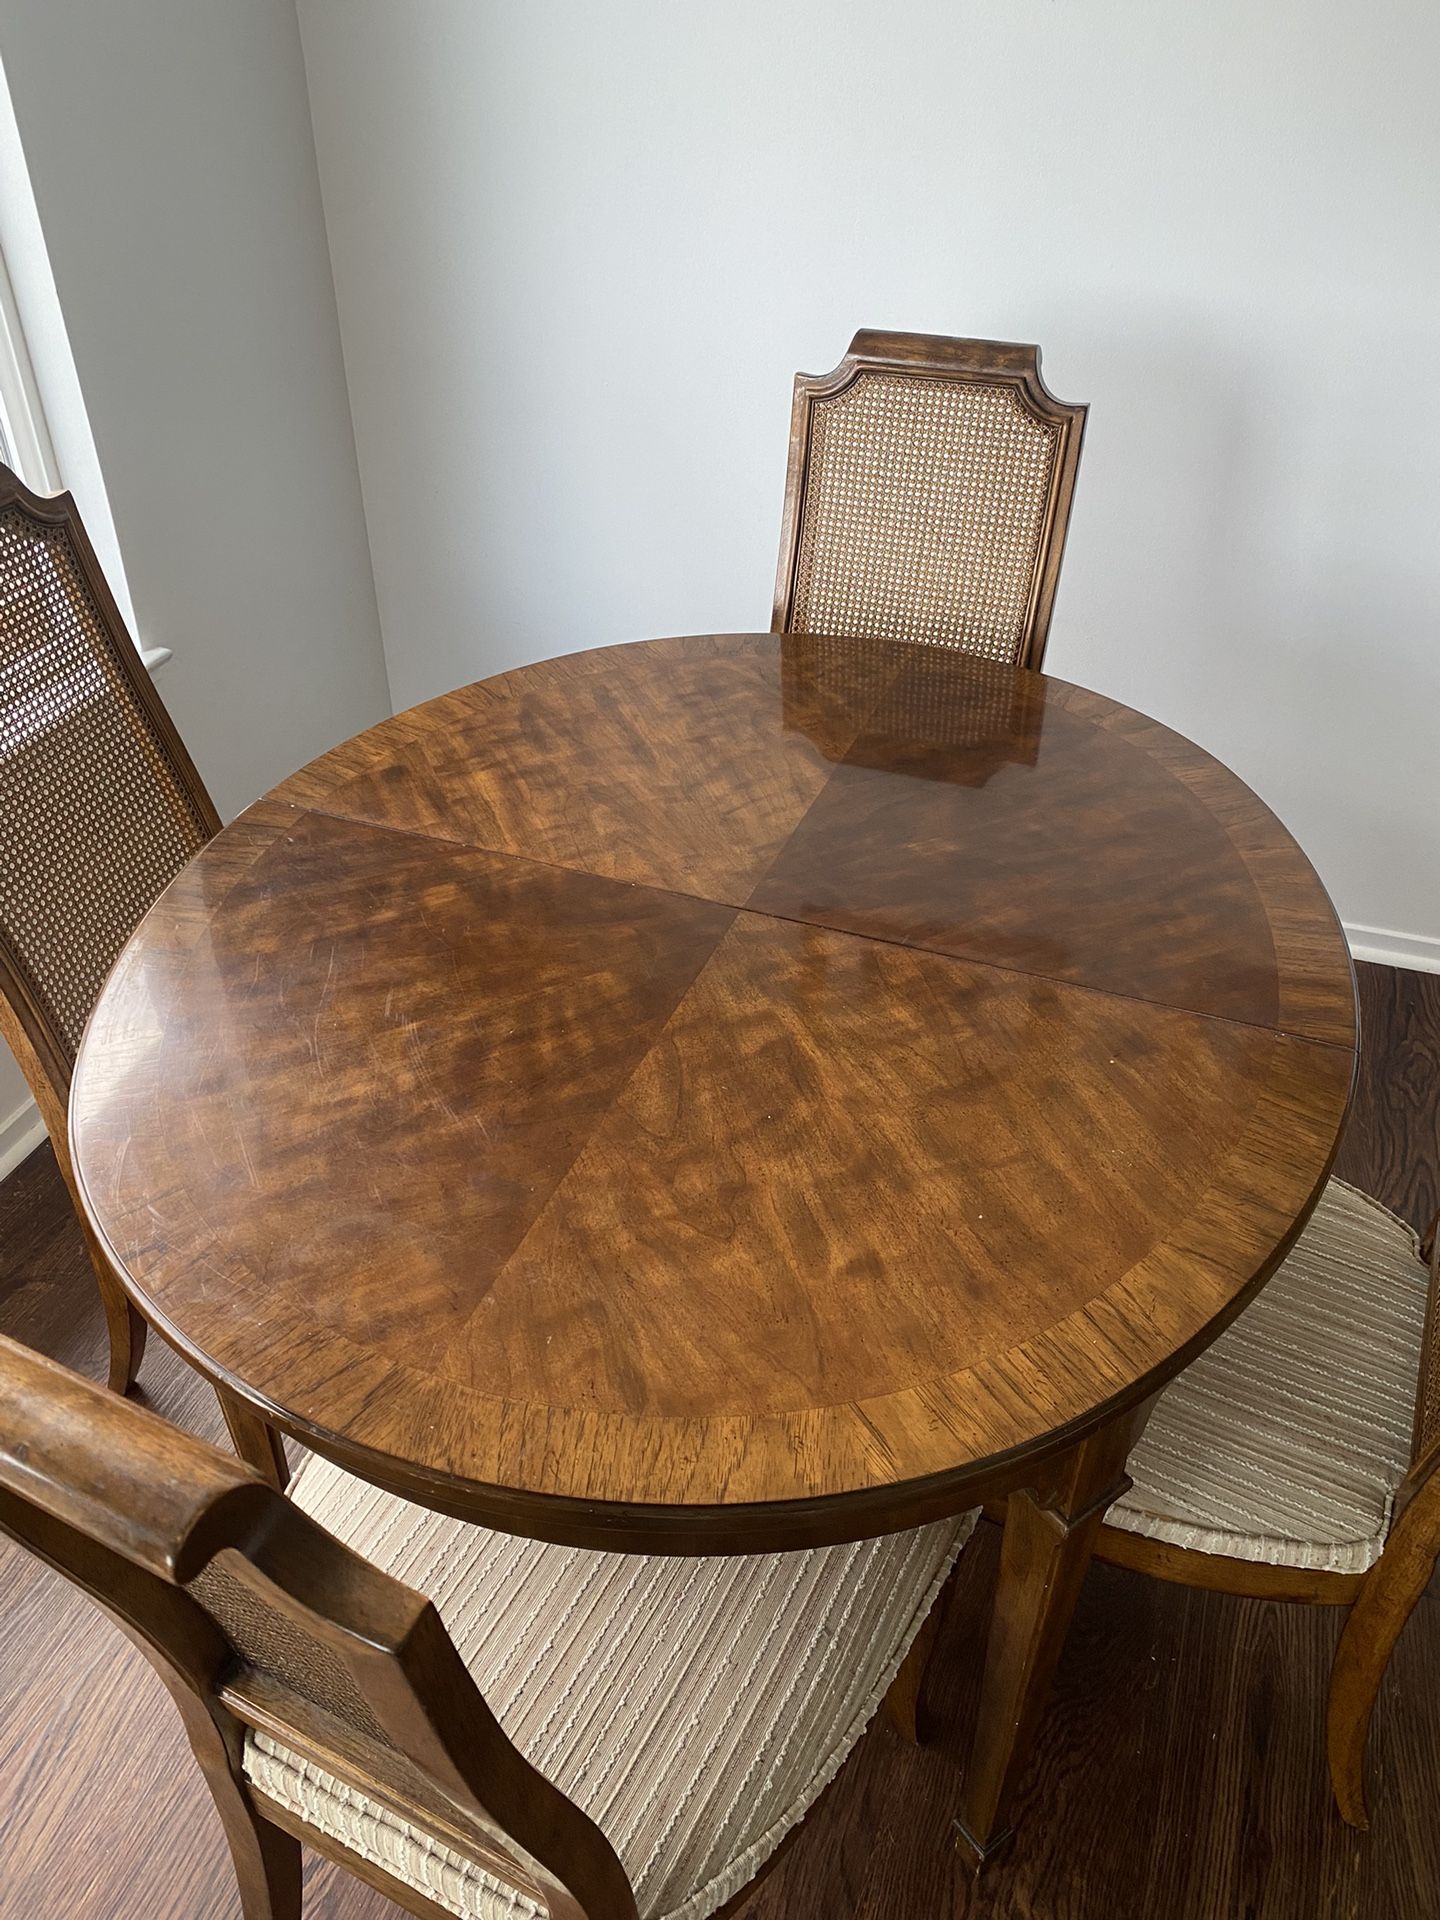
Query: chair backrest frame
{"type": "Point", "coordinates": [140, 1515]}
{"type": "Point", "coordinates": [933, 357]}
{"type": "Point", "coordinates": [41, 1047]}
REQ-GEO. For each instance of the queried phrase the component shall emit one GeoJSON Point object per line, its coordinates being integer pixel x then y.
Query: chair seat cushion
{"type": "Point", "coordinates": [1287, 1440]}
{"type": "Point", "coordinates": [695, 1708]}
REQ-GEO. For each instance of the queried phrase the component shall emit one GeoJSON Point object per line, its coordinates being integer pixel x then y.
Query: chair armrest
{"type": "Point", "coordinates": [119, 1475]}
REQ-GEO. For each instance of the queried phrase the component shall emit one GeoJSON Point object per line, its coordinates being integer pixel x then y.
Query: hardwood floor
{"type": "Point", "coordinates": [1179, 1774]}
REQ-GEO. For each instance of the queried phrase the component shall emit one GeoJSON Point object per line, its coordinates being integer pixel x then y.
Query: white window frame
{"type": "Point", "coordinates": [28, 447]}
{"type": "Point", "coordinates": [25, 442]}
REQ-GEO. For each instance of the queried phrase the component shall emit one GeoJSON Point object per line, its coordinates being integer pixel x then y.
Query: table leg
{"type": "Point", "coordinates": [1050, 1530]}
{"type": "Point", "coordinates": [257, 1444]}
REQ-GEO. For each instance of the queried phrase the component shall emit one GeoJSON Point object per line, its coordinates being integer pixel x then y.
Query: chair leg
{"type": "Point", "coordinates": [127, 1329]}
{"type": "Point", "coordinates": [903, 1703]}
{"type": "Point", "coordinates": [268, 1866]}
{"type": "Point", "coordinates": [257, 1443]}
{"type": "Point", "coordinates": [1383, 1605]}
{"type": "Point", "coordinates": [267, 1860]}
{"type": "Point", "coordinates": [125, 1325]}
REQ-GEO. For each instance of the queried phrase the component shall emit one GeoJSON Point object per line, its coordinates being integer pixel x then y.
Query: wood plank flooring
{"type": "Point", "coordinates": [1179, 1774]}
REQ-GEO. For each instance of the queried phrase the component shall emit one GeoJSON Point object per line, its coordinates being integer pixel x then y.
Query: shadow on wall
{"type": "Point", "coordinates": [1242, 564]}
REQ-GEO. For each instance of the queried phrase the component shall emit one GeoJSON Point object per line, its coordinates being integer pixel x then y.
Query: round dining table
{"type": "Point", "coordinates": [729, 1094]}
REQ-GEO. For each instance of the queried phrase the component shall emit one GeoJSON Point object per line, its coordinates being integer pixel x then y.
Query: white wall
{"type": "Point", "coordinates": [170, 152]}
{"type": "Point", "coordinates": [580, 249]}
{"type": "Point", "coordinates": [169, 148]}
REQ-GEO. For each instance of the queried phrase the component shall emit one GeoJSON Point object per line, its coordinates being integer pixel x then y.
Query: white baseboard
{"type": "Point", "coordinates": [20, 1134]}
{"type": "Point", "coordinates": [1420, 951]}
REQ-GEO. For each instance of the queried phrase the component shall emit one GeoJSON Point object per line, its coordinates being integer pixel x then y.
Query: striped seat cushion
{"type": "Point", "coordinates": [695, 1708]}
{"type": "Point", "coordinates": [1287, 1440]}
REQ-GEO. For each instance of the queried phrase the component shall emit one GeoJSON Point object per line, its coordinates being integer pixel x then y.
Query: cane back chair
{"type": "Point", "coordinates": [927, 497]}
{"type": "Point", "coordinates": [100, 806]}
{"type": "Point", "coordinates": [587, 1736]}
{"type": "Point", "coordinates": [1296, 1458]}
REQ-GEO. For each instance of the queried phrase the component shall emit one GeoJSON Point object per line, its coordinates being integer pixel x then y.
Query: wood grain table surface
{"type": "Point", "coordinates": [719, 1073]}
{"type": "Point", "coordinates": [725, 1093]}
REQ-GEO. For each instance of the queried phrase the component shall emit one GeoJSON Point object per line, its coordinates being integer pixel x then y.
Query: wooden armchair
{"type": "Point", "coordinates": [100, 806]}
{"type": "Point", "coordinates": [587, 1735]}
{"type": "Point", "coordinates": [1296, 1458]}
{"type": "Point", "coordinates": [928, 495]}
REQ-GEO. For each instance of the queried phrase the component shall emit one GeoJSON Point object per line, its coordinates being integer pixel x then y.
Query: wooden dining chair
{"type": "Point", "coordinates": [1296, 1458]}
{"type": "Point", "coordinates": [551, 1731]}
{"type": "Point", "coordinates": [927, 497]}
{"type": "Point", "coordinates": [100, 806]}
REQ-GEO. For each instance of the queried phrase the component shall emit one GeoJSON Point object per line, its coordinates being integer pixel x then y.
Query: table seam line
{"type": "Point", "coordinates": [822, 926]}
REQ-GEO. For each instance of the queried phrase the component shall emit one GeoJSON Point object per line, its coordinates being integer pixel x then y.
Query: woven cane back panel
{"type": "Point", "coordinates": [1427, 1416]}
{"type": "Point", "coordinates": [273, 1643]}
{"type": "Point", "coordinates": [278, 1647]}
{"type": "Point", "coordinates": [924, 514]}
{"type": "Point", "coordinates": [1429, 1425]}
{"type": "Point", "coordinates": [94, 821]}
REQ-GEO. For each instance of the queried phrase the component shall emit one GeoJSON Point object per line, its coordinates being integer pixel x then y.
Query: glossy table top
{"type": "Point", "coordinates": [731, 1091]}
